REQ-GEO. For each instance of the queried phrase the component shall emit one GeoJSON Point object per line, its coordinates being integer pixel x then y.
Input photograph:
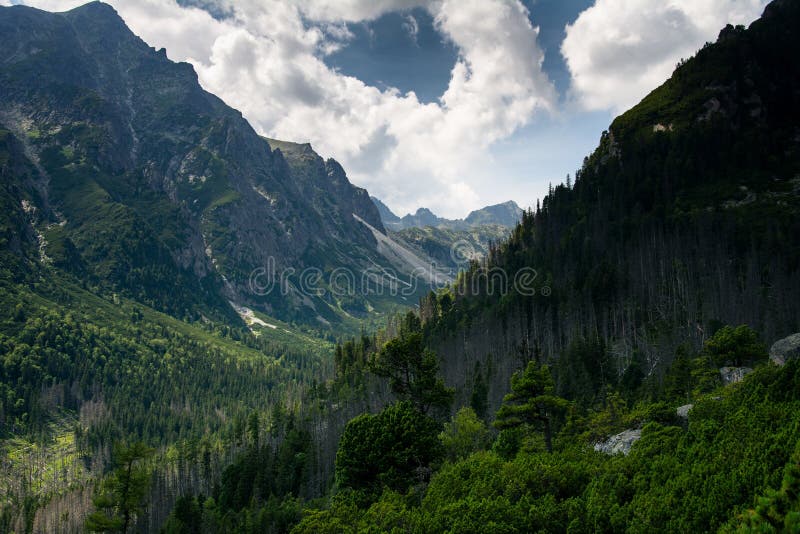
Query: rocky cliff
{"type": "Point", "coordinates": [123, 171]}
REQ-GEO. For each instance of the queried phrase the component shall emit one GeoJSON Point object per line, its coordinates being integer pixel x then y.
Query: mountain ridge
{"type": "Point", "coordinates": [505, 214]}
{"type": "Point", "coordinates": [108, 125]}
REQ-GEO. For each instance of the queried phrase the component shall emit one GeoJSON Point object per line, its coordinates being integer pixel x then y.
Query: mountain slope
{"type": "Point", "coordinates": [138, 181]}
{"type": "Point", "coordinates": [451, 249]}
{"type": "Point", "coordinates": [684, 219]}
{"type": "Point", "coordinates": [388, 218]}
{"type": "Point", "coordinates": [451, 244]}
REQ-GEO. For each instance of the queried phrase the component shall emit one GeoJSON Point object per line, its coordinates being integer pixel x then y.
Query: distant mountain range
{"type": "Point", "coordinates": [507, 214]}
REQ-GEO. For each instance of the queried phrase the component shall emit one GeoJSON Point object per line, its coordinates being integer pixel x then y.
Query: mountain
{"type": "Point", "coordinates": [451, 249]}
{"type": "Point", "coordinates": [684, 219]}
{"type": "Point", "coordinates": [506, 214]}
{"type": "Point", "coordinates": [450, 244]}
{"type": "Point", "coordinates": [123, 172]}
{"type": "Point", "coordinates": [388, 218]}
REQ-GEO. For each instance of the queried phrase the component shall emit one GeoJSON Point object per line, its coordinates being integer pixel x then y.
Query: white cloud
{"type": "Point", "coordinates": [411, 26]}
{"type": "Point", "coordinates": [267, 60]}
{"type": "Point", "coordinates": [619, 50]}
{"type": "Point", "coordinates": [354, 10]}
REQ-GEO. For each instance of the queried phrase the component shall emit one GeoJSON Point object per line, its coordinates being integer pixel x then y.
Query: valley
{"type": "Point", "coordinates": [205, 329]}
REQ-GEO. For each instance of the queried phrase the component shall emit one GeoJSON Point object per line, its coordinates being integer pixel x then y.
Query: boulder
{"type": "Point", "coordinates": [731, 375]}
{"type": "Point", "coordinates": [785, 349]}
{"type": "Point", "coordinates": [683, 411]}
{"type": "Point", "coordinates": [619, 443]}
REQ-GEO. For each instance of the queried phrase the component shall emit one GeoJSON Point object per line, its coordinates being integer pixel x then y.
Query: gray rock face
{"type": "Point", "coordinates": [732, 375]}
{"type": "Point", "coordinates": [785, 349]}
{"type": "Point", "coordinates": [619, 443]}
{"type": "Point", "coordinates": [208, 204]}
{"type": "Point", "coordinates": [683, 411]}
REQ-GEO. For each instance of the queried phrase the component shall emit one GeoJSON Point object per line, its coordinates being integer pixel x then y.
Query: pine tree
{"type": "Point", "coordinates": [124, 493]}
{"type": "Point", "coordinates": [532, 402]}
{"type": "Point", "coordinates": [411, 368]}
{"type": "Point", "coordinates": [778, 511]}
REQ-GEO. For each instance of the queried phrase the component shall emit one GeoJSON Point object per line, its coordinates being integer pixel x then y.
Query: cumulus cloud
{"type": "Point", "coordinates": [619, 50]}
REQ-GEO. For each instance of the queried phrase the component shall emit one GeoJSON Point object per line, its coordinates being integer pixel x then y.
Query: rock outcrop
{"type": "Point", "coordinates": [732, 375]}
{"type": "Point", "coordinates": [619, 443]}
{"type": "Point", "coordinates": [683, 411]}
{"type": "Point", "coordinates": [785, 349]}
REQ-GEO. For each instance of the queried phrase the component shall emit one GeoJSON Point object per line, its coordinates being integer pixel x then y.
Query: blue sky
{"type": "Point", "coordinates": [384, 53]}
{"type": "Point", "coordinates": [447, 104]}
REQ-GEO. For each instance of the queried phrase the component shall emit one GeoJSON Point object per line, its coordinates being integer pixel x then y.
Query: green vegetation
{"type": "Point", "coordinates": [532, 402]}
{"type": "Point", "coordinates": [778, 510]}
{"type": "Point", "coordinates": [259, 491]}
{"type": "Point", "coordinates": [735, 346]}
{"type": "Point", "coordinates": [123, 493]}
{"type": "Point", "coordinates": [80, 372]}
{"type": "Point", "coordinates": [696, 477]}
{"type": "Point", "coordinates": [464, 434]}
{"type": "Point", "coordinates": [411, 369]}
{"type": "Point", "coordinates": [391, 449]}
{"type": "Point", "coordinates": [116, 268]}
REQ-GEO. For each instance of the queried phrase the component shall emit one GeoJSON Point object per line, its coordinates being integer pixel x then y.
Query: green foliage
{"type": "Point", "coordinates": [351, 360]}
{"type": "Point", "coordinates": [735, 346]}
{"type": "Point", "coordinates": [123, 494]}
{"type": "Point", "coordinates": [478, 400]}
{"type": "Point", "coordinates": [464, 434]}
{"type": "Point", "coordinates": [690, 376]}
{"type": "Point", "coordinates": [604, 420]}
{"type": "Point", "coordinates": [532, 402]}
{"type": "Point", "coordinates": [777, 510]}
{"type": "Point", "coordinates": [259, 491]}
{"type": "Point", "coordinates": [194, 515]}
{"type": "Point", "coordinates": [675, 479]}
{"type": "Point", "coordinates": [584, 370]}
{"type": "Point", "coordinates": [412, 369]}
{"type": "Point", "coordinates": [394, 448]}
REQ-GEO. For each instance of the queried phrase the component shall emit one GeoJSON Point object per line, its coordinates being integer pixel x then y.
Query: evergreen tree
{"type": "Point", "coordinates": [124, 493]}
{"type": "Point", "coordinates": [778, 511]}
{"type": "Point", "coordinates": [394, 448]}
{"type": "Point", "coordinates": [411, 369]}
{"type": "Point", "coordinates": [532, 402]}
{"type": "Point", "coordinates": [735, 346]}
{"type": "Point", "coordinates": [464, 434]}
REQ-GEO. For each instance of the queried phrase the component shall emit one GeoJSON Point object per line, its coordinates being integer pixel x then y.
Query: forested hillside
{"type": "Point", "coordinates": [135, 209]}
{"type": "Point", "coordinates": [685, 218]}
